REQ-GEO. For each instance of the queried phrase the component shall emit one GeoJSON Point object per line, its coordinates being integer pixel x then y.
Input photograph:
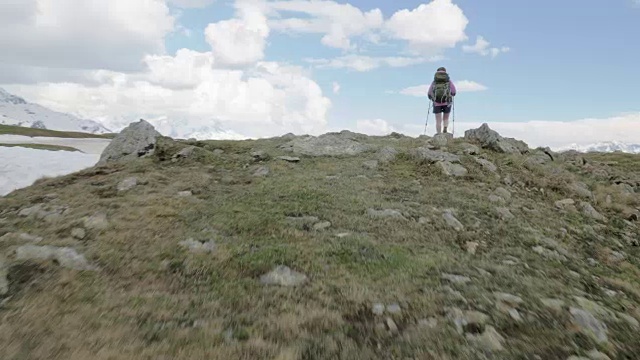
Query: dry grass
{"type": "Point", "coordinates": [151, 299]}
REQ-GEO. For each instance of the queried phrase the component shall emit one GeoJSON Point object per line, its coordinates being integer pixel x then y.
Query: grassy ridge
{"type": "Point", "coordinates": [25, 131]}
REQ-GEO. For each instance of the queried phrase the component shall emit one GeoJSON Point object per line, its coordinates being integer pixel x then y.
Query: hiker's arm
{"type": "Point", "coordinates": [430, 92]}
{"type": "Point", "coordinates": [453, 89]}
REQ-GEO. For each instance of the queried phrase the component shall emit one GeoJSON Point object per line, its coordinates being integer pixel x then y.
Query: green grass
{"type": "Point", "coordinates": [157, 299]}
{"type": "Point", "coordinates": [25, 131]}
{"type": "Point", "coordinates": [43, 147]}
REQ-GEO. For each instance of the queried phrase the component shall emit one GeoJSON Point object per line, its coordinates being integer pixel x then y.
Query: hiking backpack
{"type": "Point", "coordinates": [441, 88]}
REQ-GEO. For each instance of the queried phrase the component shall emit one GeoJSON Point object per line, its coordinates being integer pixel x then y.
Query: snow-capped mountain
{"type": "Point", "coordinates": [608, 146]}
{"type": "Point", "coordinates": [199, 129]}
{"type": "Point", "coordinates": [14, 110]}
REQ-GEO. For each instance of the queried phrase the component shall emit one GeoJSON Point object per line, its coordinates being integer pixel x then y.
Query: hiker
{"type": "Point", "coordinates": [441, 92]}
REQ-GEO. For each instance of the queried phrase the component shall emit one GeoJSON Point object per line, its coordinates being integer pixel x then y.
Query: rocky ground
{"type": "Point", "coordinates": [341, 246]}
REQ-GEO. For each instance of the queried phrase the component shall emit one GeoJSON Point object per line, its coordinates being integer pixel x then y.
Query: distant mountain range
{"type": "Point", "coordinates": [15, 110]}
{"type": "Point", "coordinates": [608, 146]}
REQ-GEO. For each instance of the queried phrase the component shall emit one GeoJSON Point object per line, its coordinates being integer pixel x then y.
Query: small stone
{"type": "Point", "coordinates": [472, 247]}
{"type": "Point", "coordinates": [66, 257]}
{"type": "Point", "coordinates": [342, 235]}
{"type": "Point", "coordinates": [370, 164]}
{"type": "Point", "coordinates": [608, 200]}
{"type": "Point", "coordinates": [291, 159]}
{"type": "Point", "coordinates": [198, 246]}
{"type": "Point", "coordinates": [30, 238]}
{"type": "Point", "coordinates": [127, 184]}
{"type": "Point", "coordinates": [184, 153]}
{"type": "Point", "coordinates": [78, 233]}
{"type": "Point", "coordinates": [218, 151]}
{"type": "Point", "coordinates": [186, 193]}
{"type": "Point", "coordinates": [96, 222]}
{"type": "Point", "coordinates": [563, 204]}
{"type": "Point", "coordinates": [503, 193]}
{"type": "Point", "coordinates": [487, 165]}
{"type": "Point", "coordinates": [470, 149]}
{"type": "Point", "coordinates": [377, 309]}
{"type": "Point", "coordinates": [508, 180]}
{"type": "Point", "coordinates": [394, 309]}
{"type": "Point", "coordinates": [387, 213]}
{"type": "Point", "coordinates": [456, 279]}
{"type": "Point", "coordinates": [592, 262]}
{"type": "Point", "coordinates": [391, 325]}
{"type": "Point", "coordinates": [508, 299]}
{"type": "Point", "coordinates": [283, 276]}
{"type": "Point", "coordinates": [597, 355]}
{"type": "Point", "coordinates": [424, 220]}
{"type": "Point", "coordinates": [549, 254]}
{"type": "Point", "coordinates": [504, 213]}
{"type": "Point", "coordinates": [496, 199]}
{"type": "Point", "coordinates": [581, 189]}
{"type": "Point", "coordinates": [451, 169]}
{"type": "Point", "coordinates": [589, 325]}
{"type": "Point", "coordinates": [555, 305]}
{"type": "Point", "coordinates": [489, 340]}
{"type": "Point", "coordinates": [588, 210]}
{"type": "Point", "coordinates": [322, 226]}
{"type": "Point", "coordinates": [430, 323]}
{"type": "Point", "coordinates": [260, 155]}
{"type": "Point", "coordinates": [260, 171]}
{"type": "Point", "coordinates": [515, 315]}
{"type": "Point", "coordinates": [452, 221]}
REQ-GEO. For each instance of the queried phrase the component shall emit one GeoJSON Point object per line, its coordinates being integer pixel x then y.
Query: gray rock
{"type": "Point", "coordinates": [78, 233]}
{"type": "Point", "coordinates": [44, 212]}
{"type": "Point", "coordinates": [387, 154]}
{"type": "Point", "coordinates": [430, 323]}
{"type": "Point", "coordinates": [470, 149]}
{"type": "Point", "coordinates": [260, 155]}
{"type": "Point", "coordinates": [581, 190]}
{"type": "Point", "coordinates": [394, 309]}
{"type": "Point", "coordinates": [136, 140]}
{"type": "Point", "coordinates": [391, 325]}
{"type": "Point", "coordinates": [66, 257]}
{"type": "Point", "coordinates": [291, 159]}
{"type": "Point", "coordinates": [321, 226]}
{"type": "Point", "coordinates": [261, 171]}
{"type": "Point", "coordinates": [452, 221]}
{"type": "Point", "coordinates": [509, 299]}
{"type": "Point", "coordinates": [218, 152]}
{"type": "Point", "coordinates": [184, 153]}
{"type": "Point", "coordinates": [504, 213]}
{"type": "Point", "coordinates": [589, 211]}
{"type": "Point", "coordinates": [433, 156]}
{"type": "Point", "coordinates": [377, 309]}
{"type": "Point", "coordinates": [326, 145]}
{"type": "Point", "coordinates": [490, 139]}
{"type": "Point", "coordinates": [30, 238]}
{"type": "Point", "coordinates": [503, 193]}
{"type": "Point", "coordinates": [487, 165]}
{"type": "Point", "coordinates": [472, 247]}
{"type": "Point", "coordinates": [565, 203]}
{"type": "Point", "coordinates": [96, 222]}
{"type": "Point", "coordinates": [597, 355]}
{"type": "Point", "coordinates": [4, 282]}
{"type": "Point", "coordinates": [127, 184]}
{"type": "Point", "coordinates": [386, 213]}
{"type": "Point", "coordinates": [283, 276]}
{"type": "Point", "coordinates": [186, 193]}
{"type": "Point", "coordinates": [462, 319]}
{"type": "Point", "coordinates": [198, 246]}
{"type": "Point", "coordinates": [441, 140]}
{"type": "Point", "coordinates": [549, 254]}
{"type": "Point", "coordinates": [451, 169]}
{"type": "Point", "coordinates": [589, 325]}
{"type": "Point", "coordinates": [370, 164]}
{"type": "Point", "coordinates": [490, 340]}
{"type": "Point", "coordinates": [496, 199]}
{"type": "Point", "coordinates": [456, 279]}
{"type": "Point", "coordinates": [555, 305]}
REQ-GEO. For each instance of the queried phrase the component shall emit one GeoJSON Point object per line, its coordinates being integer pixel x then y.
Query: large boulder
{"type": "Point", "coordinates": [490, 139]}
{"type": "Point", "coordinates": [136, 140]}
{"type": "Point", "coordinates": [332, 144]}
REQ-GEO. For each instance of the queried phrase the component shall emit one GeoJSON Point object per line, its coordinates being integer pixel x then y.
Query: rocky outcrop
{"type": "Point", "coordinates": [490, 139]}
{"type": "Point", "coordinates": [135, 141]}
{"type": "Point", "coordinates": [332, 144]}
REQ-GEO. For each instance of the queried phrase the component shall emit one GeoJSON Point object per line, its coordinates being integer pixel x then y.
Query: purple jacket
{"type": "Point", "coordinates": [453, 92]}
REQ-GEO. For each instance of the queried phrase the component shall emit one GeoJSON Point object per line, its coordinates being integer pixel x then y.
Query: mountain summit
{"type": "Point", "coordinates": [15, 110]}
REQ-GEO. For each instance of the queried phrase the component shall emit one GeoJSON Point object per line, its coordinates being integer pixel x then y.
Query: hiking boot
{"type": "Point", "coordinates": [445, 130]}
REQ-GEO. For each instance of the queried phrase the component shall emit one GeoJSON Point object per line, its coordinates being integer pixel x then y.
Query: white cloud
{"type": "Point", "coordinates": [364, 63]}
{"type": "Point", "coordinates": [267, 99]}
{"type": "Point", "coordinates": [374, 127]}
{"type": "Point", "coordinates": [191, 3]}
{"type": "Point", "coordinates": [338, 22]}
{"type": "Point", "coordinates": [461, 86]}
{"type": "Point", "coordinates": [336, 88]}
{"type": "Point", "coordinates": [242, 40]}
{"type": "Point", "coordinates": [482, 47]}
{"type": "Point", "coordinates": [82, 34]}
{"type": "Point", "coordinates": [430, 27]}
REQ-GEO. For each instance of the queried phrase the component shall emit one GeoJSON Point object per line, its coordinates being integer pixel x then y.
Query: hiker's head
{"type": "Point", "coordinates": [441, 68]}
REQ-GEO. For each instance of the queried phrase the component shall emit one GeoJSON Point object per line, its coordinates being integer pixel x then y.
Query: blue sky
{"type": "Point", "coordinates": [568, 60]}
{"type": "Point", "coordinates": [548, 72]}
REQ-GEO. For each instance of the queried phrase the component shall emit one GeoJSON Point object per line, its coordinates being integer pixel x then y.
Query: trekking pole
{"type": "Point", "coordinates": [427, 122]}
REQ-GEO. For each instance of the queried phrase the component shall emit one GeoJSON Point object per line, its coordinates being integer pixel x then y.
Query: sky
{"type": "Point", "coordinates": [549, 72]}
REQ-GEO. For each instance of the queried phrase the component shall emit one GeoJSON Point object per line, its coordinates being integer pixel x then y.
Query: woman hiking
{"type": "Point", "coordinates": [441, 92]}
